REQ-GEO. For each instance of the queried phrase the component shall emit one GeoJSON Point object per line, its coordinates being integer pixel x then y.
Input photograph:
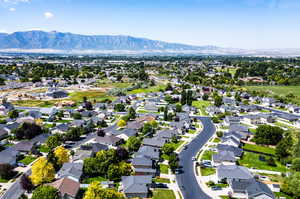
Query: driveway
{"type": "Point", "coordinates": [187, 180]}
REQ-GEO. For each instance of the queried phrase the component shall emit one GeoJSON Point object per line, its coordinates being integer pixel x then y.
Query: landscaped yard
{"type": "Point", "coordinates": [202, 105]}
{"type": "Point", "coordinates": [252, 160]}
{"type": "Point", "coordinates": [27, 160]}
{"type": "Point", "coordinates": [90, 180]}
{"type": "Point", "coordinates": [164, 168]}
{"type": "Point", "coordinates": [163, 194]}
{"type": "Point", "coordinates": [217, 140]}
{"type": "Point", "coordinates": [207, 171]}
{"type": "Point", "coordinates": [257, 148]}
{"type": "Point", "coordinates": [191, 131]}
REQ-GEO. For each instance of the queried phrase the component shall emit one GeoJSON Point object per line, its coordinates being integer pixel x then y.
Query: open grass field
{"type": "Point", "coordinates": [113, 84]}
{"type": "Point", "coordinates": [148, 90]}
{"type": "Point", "coordinates": [278, 90]}
{"type": "Point", "coordinates": [163, 194]}
{"type": "Point", "coordinates": [202, 105]}
{"type": "Point", "coordinates": [251, 160]}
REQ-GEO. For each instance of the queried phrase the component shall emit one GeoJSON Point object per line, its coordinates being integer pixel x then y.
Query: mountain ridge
{"type": "Point", "coordinates": [69, 41]}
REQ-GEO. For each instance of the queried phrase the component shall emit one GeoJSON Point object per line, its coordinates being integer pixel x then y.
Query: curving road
{"type": "Point", "coordinates": [187, 180]}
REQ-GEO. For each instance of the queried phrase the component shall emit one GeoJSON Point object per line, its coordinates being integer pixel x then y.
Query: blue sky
{"type": "Point", "coordinates": [226, 23]}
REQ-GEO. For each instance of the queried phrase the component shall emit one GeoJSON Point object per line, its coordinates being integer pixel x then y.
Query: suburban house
{"type": "Point", "coordinates": [9, 156]}
{"type": "Point", "coordinates": [24, 147]}
{"type": "Point", "coordinates": [72, 170]}
{"type": "Point", "coordinates": [67, 187]}
{"type": "Point", "coordinates": [109, 140]}
{"type": "Point", "coordinates": [154, 142]}
{"type": "Point", "coordinates": [136, 186]}
{"type": "Point", "coordinates": [149, 151]}
{"type": "Point", "coordinates": [266, 101]}
{"type": "Point", "coordinates": [223, 157]}
{"type": "Point", "coordinates": [80, 155]}
{"type": "Point", "coordinates": [251, 188]}
{"type": "Point", "coordinates": [238, 152]}
{"type": "Point", "coordinates": [233, 172]}
{"type": "Point", "coordinates": [229, 120]}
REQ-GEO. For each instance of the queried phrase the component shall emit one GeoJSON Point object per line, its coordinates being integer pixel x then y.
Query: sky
{"type": "Point", "coordinates": [248, 24]}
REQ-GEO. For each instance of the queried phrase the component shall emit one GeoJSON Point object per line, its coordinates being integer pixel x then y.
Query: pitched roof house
{"type": "Point", "coordinates": [136, 186]}
{"type": "Point", "coordinates": [67, 187]}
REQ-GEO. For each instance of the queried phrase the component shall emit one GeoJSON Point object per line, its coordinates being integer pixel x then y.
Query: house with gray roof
{"type": "Point", "coordinates": [70, 169]}
{"type": "Point", "coordinates": [233, 172]}
{"type": "Point", "coordinates": [109, 140]}
{"type": "Point", "coordinates": [251, 188]}
{"type": "Point", "coordinates": [81, 155]}
{"type": "Point", "coordinates": [154, 142]}
{"type": "Point", "coordinates": [238, 152]}
{"type": "Point", "coordinates": [229, 120]}
{"type": "Point", "coordinates": [149, 152]}
{"type": "Point", "coordinates": [9, 156]}
{"type": "Point", "coordinates": [223, 157]}
{"type": "Point", "coordinates": [24, 146]}
{"type": "Point", "coordinates": [136, 186]}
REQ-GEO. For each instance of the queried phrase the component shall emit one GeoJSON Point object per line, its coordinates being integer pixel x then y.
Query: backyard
{"type": "Point", "coordinates": [253, 160]}
{"type": "Point", "coordinates": [163, 194]}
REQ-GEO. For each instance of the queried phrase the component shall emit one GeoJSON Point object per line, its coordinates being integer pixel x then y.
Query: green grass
{"type": "Point", "coordinates": [191, 131]}
{"type": "Point", "coordinates": [161, 180]}
{"type": "Point", "coordinates": [114, 84]}
{"type": "Point", "coordinates": [163, 194]}
{"type": "Point", "coordinates": [63, 121]}
{"type": "Point", "coordinates": [94, 179]}
{"type": "Point", "coordinates": [207, 155]}
{"type": "Point", "coordinates": [279, 90]}
{"type": "Point", "coordinates": [217, 140]}
{"type": "Point", "coordinates": [27, 160]}
{"type": "Point", "coordinates": [202, 105]}
{"type": "Point", "coordinates": [3, 180]}
{"type": "Point", "coordinates": [176, 145]}
{"type": "Point", "coordinates": [250, 160]}
{"type": "Point", "coordinates": [164, 168]}
{"type": "Point", "coordinates": [152, 89]}
{"type": "Point", "coordinates": [258, 148]}
{"type": "Point", "coordinates": [91, 95]}
{"type": "Point", "coordinates": [207, 171]}
{"type": "Point", "coordinates": [44, 149]}
{"type": "Point", "coordinates": [280, 124]}
{"type": "Point", "coordinates": [280, 194]}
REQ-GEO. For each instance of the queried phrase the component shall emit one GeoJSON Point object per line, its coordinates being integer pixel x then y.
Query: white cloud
{"type": "Point", "coordinates": [12, 9]}
{"type": "Point", "coordinates": [48, 15]}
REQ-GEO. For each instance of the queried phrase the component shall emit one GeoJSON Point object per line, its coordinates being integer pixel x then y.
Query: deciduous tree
{"type": "Point", "coordinates": [42, 171]}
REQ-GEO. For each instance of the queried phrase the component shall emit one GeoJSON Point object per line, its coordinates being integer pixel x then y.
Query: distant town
{"type": "Point", "coordinates": [160, 127]}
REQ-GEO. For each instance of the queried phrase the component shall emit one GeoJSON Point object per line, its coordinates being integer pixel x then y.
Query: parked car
{"type": "Point", "coordinates": [216, 188]}
{"type": "Point", "coordinates": [161, 185]}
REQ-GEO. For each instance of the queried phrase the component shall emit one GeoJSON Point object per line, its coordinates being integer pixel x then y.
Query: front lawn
{"type": "Point", "coordinates": [27, 160]}
{"type": "Point", "coordinates": [258, 148]}
{"type": "Point", "coordinates": [164, 168]}
{"type": "Point", "coordinates": [217, 140]}
{"type": "Point", "coordinates": [207, 155]}
{"type": "Point", "coordinates": [207, 171]}
{"type": "Point", "coordinates": [161, 180]}
{"type": "Point", "coordinates": [163, 194]}
{"type": "Point", "coordinates": [252, 160]}
{"type": "Point", "coordinates": [191, 131]}
{"type": "Point", "coordinates": [44, 149]}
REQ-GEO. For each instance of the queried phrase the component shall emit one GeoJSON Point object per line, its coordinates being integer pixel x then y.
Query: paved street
{"type": "Point", "coordinates": [187, 180]}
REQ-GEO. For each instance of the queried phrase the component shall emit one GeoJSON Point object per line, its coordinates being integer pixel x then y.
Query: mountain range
{"type": "Point", "coordinates": [58, 42]}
